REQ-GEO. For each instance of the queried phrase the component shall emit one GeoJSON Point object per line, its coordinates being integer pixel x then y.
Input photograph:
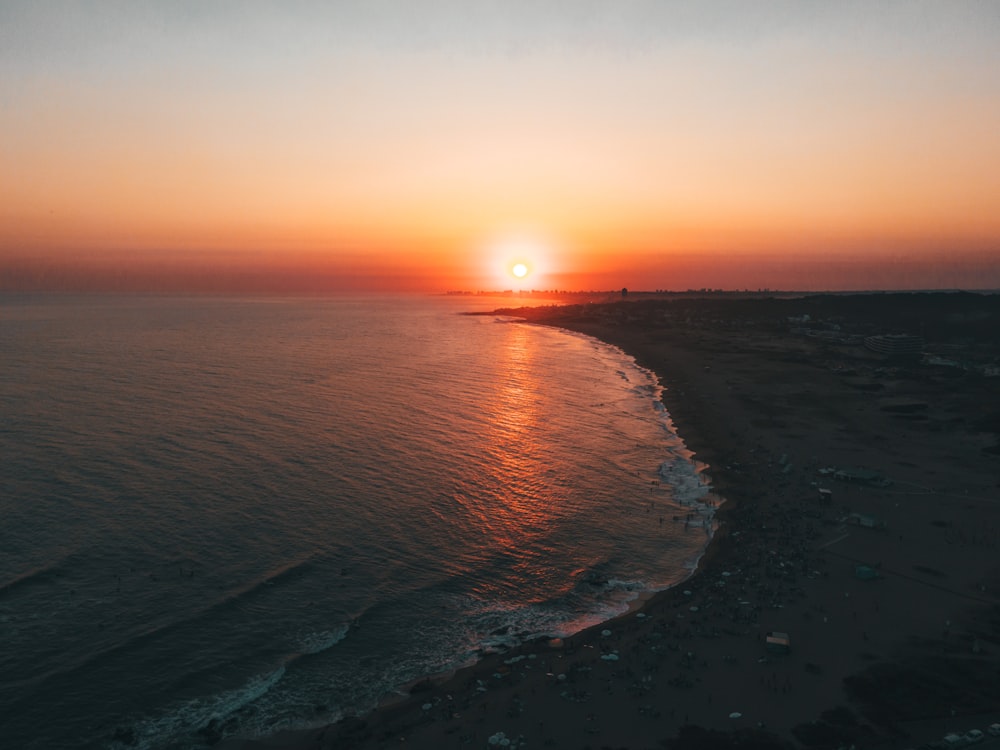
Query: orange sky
{"type": "Point", "coordinates": [649, 145]}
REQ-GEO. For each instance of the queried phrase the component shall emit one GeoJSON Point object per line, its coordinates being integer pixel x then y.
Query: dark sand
{"type": "Point", "coordinates": [893, 662]}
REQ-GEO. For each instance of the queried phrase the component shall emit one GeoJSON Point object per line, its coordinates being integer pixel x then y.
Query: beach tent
{"type": "Point", "coordinates": [778, 643]}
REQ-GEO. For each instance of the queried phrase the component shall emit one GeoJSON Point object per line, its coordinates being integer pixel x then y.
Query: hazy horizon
{"type": "Point", "coordinates": [388, 147]}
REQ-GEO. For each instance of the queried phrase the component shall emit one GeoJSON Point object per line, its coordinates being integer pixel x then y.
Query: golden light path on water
{"type": "Point", "coordinates": [513, 417]}
{"type": "Point", "coordinates": [526, 500]}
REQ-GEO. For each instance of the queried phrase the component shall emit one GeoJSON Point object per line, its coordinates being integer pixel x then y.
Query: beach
{"type": "Point", "coordinates": [867, 614]}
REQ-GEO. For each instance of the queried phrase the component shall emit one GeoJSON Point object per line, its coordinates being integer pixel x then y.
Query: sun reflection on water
{"type": "Point", "coordinates": [523, 501]}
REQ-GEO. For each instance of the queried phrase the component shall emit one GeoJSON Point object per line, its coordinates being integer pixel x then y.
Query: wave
{"type": "Point", "coordinates": [209, 717]}
{"type": "Point", "coordinates": [594, 598]}
{"type": "Point", "coordinates": [317, 642]}
{"type": "Point", "coordinates": [270, 579]}
{"type": "Point", "coordinates": [138, 642]}
{"type": "Point", "coordinates": [685, 480]}
{"type": "Point", "coordinates": [41, 574]}
{"type": "Point", "coordinates": [206, 720]}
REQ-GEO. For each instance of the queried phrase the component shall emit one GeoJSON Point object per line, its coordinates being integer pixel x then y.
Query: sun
{"type": "Point", "coordinates": [517, 259]}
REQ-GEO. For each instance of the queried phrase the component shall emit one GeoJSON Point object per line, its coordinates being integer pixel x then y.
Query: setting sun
{"type": "Point", "coordinates": [520, 255]}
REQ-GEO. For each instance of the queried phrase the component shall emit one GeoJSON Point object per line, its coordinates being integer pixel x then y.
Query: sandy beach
{"type": "Point", "coordinates": [887, 586]}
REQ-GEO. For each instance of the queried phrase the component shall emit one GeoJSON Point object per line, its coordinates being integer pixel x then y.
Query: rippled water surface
{"type": "Point", "coordinates": [238, 515]}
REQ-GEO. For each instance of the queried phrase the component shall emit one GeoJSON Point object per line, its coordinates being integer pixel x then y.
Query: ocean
{"type": "Point", "coordinates": [233, 515]}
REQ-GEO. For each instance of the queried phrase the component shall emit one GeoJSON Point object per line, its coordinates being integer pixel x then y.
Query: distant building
{"type": "Point", "coordinates": [895, 344]}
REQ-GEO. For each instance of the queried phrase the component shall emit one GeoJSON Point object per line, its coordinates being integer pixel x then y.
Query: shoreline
{"type": "Point", "coordinates": [692, 656]}
{"type": "Point", "coordinates": [350, 731]}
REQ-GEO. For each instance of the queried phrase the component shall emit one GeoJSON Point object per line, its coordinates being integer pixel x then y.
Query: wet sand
{"type": "Point", "coordinates": [895, 661]}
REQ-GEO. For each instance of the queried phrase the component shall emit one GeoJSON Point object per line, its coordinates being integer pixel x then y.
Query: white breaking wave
{"type": "Point", "coordinates": [316, 642]}
{"type": "Point", "coordinates": [688, 484]}
{"type": "Point", "coordinates": [187, 718]}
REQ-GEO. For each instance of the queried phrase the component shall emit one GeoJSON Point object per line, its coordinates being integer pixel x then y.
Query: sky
{"type": "Point", "coordinates": [431, 146]}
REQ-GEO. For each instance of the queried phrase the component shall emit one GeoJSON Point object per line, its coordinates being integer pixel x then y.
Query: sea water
{"type": "Point", "coordinates": [231, 516]}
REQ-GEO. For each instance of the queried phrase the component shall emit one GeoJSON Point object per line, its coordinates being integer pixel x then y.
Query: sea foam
{"type": "Point", "coordinates": [184, 720]}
